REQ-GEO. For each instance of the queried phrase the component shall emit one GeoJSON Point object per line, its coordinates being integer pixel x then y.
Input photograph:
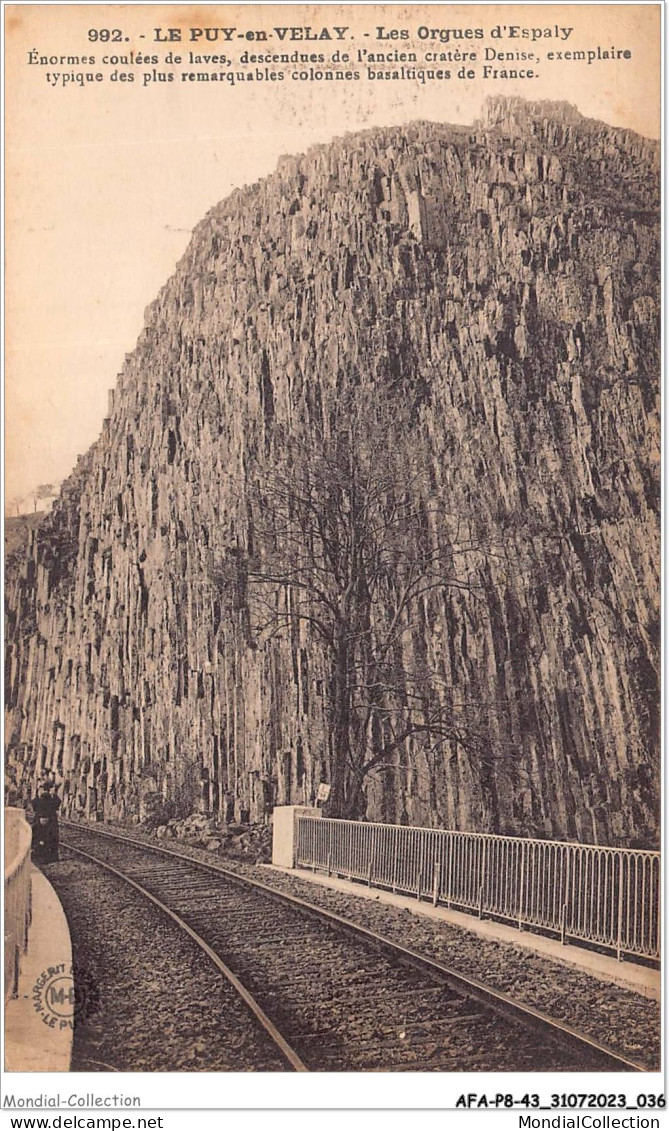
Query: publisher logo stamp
{"type": "Point", "coordinates": [57, 997]}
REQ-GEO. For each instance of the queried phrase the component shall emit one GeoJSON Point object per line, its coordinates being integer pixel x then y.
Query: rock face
{"type": "Point", "coordinates": [509, 273]}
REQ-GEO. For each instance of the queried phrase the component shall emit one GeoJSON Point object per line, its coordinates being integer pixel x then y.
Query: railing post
{"type": "Point", "coordinates": [395, 838]}
{"type": "Point", "coordinates": [436, 884]}
{"type": "Point", "coordinates": [565, 901]}
{"type": "Point", "coordinates": [370, 871]}
{"type": "Point", "coordinates": [449, 892]}
{"type": "Point", "coordinates": [374, 851]}
{"type": "Point", "coordinates": [484, 846]}
{"type": "Point", "coordinates": [522, 886]}
{"type": "Point", "coordinates": [330, 862]}
{"type": "Point", "coordinates": [619, 948]}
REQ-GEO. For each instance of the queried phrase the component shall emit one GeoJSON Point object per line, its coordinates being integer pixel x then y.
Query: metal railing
{"type": "Point", "coordinates": [18, 838]}
{"type": "Point", "coordinates": [608, 896]}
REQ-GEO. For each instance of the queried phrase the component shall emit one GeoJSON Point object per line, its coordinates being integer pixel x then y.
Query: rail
{"type": "Point", "coordinates": [18, 837]}
{"type": "Point", "coordinates": [591, 893]}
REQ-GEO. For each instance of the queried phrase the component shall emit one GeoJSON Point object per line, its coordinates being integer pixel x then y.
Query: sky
{"type": "Point", "coordinates": [105, 182]}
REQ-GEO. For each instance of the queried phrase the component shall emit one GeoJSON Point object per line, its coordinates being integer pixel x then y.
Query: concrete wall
{"type": "Point", "coordinates": [39, 1021]}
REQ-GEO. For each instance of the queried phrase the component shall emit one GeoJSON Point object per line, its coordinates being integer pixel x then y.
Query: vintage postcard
{"type": "Point", "coordinates": [332, 556]}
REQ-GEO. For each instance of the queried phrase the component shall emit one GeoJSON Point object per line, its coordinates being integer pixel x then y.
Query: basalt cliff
{"type": "Point", "coordinates": [490, 296]}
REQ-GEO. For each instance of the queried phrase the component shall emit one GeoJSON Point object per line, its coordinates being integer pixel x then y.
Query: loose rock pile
{"type": "Point", "coordinates": [245, 842]}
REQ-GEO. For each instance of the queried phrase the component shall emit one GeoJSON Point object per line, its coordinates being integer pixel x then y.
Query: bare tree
{"type": "Point", "coordinates": [343, 536]}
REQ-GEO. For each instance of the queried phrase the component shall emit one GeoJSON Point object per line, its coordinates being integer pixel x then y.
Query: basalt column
{"type": "Point", "coordinates": [493, 289]}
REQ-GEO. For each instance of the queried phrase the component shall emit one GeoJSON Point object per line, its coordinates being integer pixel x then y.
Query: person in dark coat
{"type": "Point", "coordinates": [45, 827]}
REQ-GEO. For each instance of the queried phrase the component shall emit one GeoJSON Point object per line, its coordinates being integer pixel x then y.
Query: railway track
{"type": "Point", "coordinates": [146, 998]}
{"type": "Point", "coordinates": [334, 996]}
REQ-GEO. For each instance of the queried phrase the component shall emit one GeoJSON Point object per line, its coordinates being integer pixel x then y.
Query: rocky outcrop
{"type": "Point", "coordinates": [505, 279]}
